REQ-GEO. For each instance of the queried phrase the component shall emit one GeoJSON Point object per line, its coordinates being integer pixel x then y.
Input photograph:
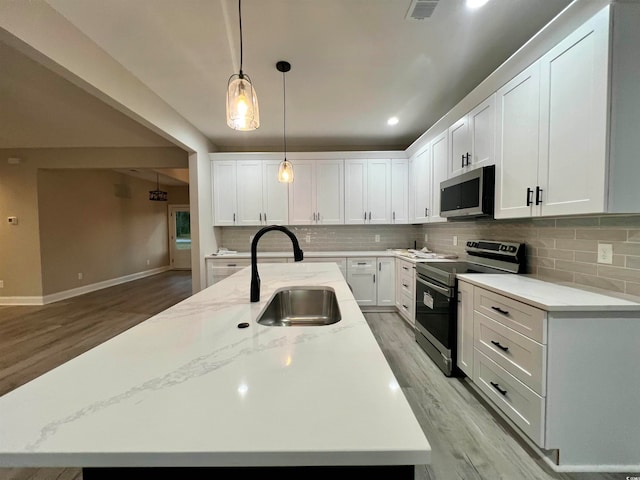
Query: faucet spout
{"type": "Point", "coordinates": [298, 255]}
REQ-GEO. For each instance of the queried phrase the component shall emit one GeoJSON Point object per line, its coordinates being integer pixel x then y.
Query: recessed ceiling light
{"type": "Point", "coordinates": [393, 121]}
{"type": "Point", "coordinates": [476, 3]}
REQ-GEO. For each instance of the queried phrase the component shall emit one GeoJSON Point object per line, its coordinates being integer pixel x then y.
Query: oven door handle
{"type": "Point", "coordinates": [437, 288]}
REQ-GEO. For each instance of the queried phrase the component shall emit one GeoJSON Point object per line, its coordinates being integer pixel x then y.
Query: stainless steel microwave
{"type": "Point", "coordinates": [469, 195]}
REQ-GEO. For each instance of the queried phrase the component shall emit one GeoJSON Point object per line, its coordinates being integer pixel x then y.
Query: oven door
{"type": "Point", "coordinates": [435, 322]}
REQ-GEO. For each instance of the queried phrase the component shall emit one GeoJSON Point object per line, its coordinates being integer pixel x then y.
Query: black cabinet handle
{"type": "Point", "coordinates": [260, 217]}
{"type": "Point", "coordinates": [498, 309]}
{"type": "Point", "coordinates": [374, 278]}
{"type": "Point", "coordinates": [405, 268]}
{"type": "Point", "coordinates": [529, 193]}
{"type": "Point", "coordinates": [426, 212]}
{"type": "Point", "coordinates": [365, 216]}
{"type": "Point", "coordinates": [405, 307]}
{"type": "Point", "coordinates": [497, 344]}
{"type": "Point", "coordinates": [465, 160]}
{"type": "Point", "coordinates": [497, 387]}
{"type": "Point", "coordinates": [405, 285]}
{"type": "Point", "coordinates": [538, 195]}
{"type": "Point", "coordinates": [369, 216]}
{"type": "Point", "coordinates": [265, 217]}
{"type": "Point", "coordinates": [234, 218]}
{"type": "Point", "coordinates": [394, 216]}
{"type": "Point", "coordinates": [462, 165]}
{"type": "Point", "coordinates": [379, 266]}
{"type": "Point", "coordinates": [231, 265]}
{"type": "Point", "coordinates": [362, 263]}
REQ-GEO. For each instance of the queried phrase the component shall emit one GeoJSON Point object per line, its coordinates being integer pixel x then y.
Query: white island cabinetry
{"type": "Point", "coordinates": [542, 355]}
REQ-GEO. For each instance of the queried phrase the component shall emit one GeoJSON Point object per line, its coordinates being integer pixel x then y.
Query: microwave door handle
{"type": "Point", "coordinates": [437, 288]}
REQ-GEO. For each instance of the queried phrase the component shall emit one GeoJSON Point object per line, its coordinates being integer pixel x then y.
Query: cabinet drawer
{"type": "Point", "coordinates": [527, 320]}
{"type": "Point", "coordinates": [361, 265]}
{"type": "Point", "coordinates": [522, 357]}
{"type": "Point", "coordinates": [406, 268]}
{"type": "Point", "coordinates": [522, 405]}
{"type": "Point", "coordinates": [406, 283]}
{"type": "Point", "coordinates": [406, 307]}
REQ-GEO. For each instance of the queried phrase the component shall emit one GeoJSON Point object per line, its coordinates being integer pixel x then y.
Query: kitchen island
{"type": "Point", "coordinates": [188, 388]}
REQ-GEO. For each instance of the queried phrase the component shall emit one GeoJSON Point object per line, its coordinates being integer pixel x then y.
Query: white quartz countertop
{"type": "Point", "coordinates": [189, 388]}
{"type": "Point", "coordinates": [334, 254]}
{"type": "Point", "coordinates": [546, 295]}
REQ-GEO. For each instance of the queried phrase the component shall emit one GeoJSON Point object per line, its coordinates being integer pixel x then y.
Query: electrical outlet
{"type": "Point", "coordinates": [455, 240]}
{"type": "Point", "coordinates": [377, 238]}
{"type": "Point", "coordinates": [426, 237]}
{"type": "Point", "coordinates": [307, 238]}
{"type": "Point", "coordinates": [80, 276]}
{"type": "Point", "coordinates": [1, 283]}
{"type": "Point", "coordinates": [605, 253]}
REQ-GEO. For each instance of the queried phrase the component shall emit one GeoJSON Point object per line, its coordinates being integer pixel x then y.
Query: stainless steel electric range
{"type": "Point", "coordinates": [437, 295]}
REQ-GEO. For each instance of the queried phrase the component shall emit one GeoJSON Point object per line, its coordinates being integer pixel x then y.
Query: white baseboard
{"type": "Point", "coordinates": [21, 300]}
{"type": "Point", "coordinates": [74, 292]}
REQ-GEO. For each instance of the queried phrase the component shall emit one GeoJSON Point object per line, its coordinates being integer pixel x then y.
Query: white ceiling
{"type": "Point", "coordinates": [354, 62]}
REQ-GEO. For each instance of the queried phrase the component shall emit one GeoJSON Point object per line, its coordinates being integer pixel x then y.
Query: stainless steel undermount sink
{"type": "Point", "coordinates": [301, 306]}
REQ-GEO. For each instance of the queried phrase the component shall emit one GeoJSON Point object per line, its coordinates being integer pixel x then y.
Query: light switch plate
{"type": "Point", "coordinates": [377, 238]}
{"type": "Point", "coordinates": [605, 253]}
{"type": "Point", "coordinates": [455, 240]}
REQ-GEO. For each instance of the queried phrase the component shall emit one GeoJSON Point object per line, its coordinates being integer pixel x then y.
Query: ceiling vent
{"type": "Point", "coordinates": [421, 9]}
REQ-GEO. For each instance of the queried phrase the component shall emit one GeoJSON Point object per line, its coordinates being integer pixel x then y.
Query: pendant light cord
{"type": "Point", "coordinates": [284, 116]}
{"type": "Point", "coordinates": [240, 17]}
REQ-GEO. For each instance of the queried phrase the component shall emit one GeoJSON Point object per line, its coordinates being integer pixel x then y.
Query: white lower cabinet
{"type": "Point", "coordinates": [560, 375]}
{"type": "Point", "coordinates": [464, 345]}
{"type": "Point", "coordinates": [220, 268]}
{"type": "Point", "coordinates": [405, 290]}
{"type": "Point", "coordinates": [386, 282]}
{"type": "Point", "coordinates": [361, 277]}
{"type": "Point", "coordinates": [340, 261]}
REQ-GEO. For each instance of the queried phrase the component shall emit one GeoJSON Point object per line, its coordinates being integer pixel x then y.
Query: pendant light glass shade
{"type": "Point", "coordinates": [285, 172]}
{"type": "Point", "coordinates": [242, 103]}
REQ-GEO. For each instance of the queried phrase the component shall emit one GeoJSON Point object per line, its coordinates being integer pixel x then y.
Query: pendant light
{"type": "Point", "coordinates": [157, 195]}
{"type": "Point", "coordinates": [242, 102]}
{"type": "Point", "coordinates": [285, 171]}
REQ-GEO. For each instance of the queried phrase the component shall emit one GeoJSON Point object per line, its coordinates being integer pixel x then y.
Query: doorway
{"type": "Point", "coordinates": [180, 237]}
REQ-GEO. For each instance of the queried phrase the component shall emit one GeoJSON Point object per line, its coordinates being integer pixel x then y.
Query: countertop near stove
{"type": "Point", "coordinates": [395, 253]}
{"type": "Point", "coordinates": [548, 296]}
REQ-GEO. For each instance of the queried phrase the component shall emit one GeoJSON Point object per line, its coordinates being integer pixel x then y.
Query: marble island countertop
{"type": "Point", "coordinates": [189, 388]}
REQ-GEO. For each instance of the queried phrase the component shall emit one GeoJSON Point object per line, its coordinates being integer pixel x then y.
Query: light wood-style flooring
{"type": "Point", "coordinates": [468, 441]}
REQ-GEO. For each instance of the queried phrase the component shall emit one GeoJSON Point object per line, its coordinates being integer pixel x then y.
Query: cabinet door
{"type": "Point", "coordinates": [275, 203]}
{"type": "Point", "coordinates": [399, 191]}
{"type": "Point", "coordinates": [422, 185]}
{"type": "Point", "coordinates": [459, 147]}
{"type": "Point", "coordinates": [361, 274]}
{"type": "Point", "coordinates": [302, 193]}
{"type": "Point", "coordinates": [465, 328]}
{"type": "Point", "coordinates": [223, 179]}
{"type": "Point", "coordinates": [482, 130]}
{"type": "Point", "coordinates": [386, 281]}
{"type": "Point", "coordinates": [379, 191]}
{"type": "Point", "coordinates": [517, 112]}
{"type": "Point", "coordinates": [355, 191]}
{"type": "Point", "coordinates": [439, 162]}
{"type": "Point", "coordinates": [573, 126]}
{"type": "Point", "coordinates": [329, 191]}
{"type": "Point", "coordinates": [249, 189]}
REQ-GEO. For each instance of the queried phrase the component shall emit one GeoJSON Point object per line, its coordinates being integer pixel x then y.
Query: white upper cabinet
{"type": "Point", "coordinates": [399, 190]}
{"type": "Point", "coordinates": [573, 122]}
{"type": "Point", "coordinates": [439, 162]}
{"type": "Point", "coordinates": [429, 168]}
{"type": "Point", "coordinates": [247, 192]}
{"type": "Point", "coordinates": [472, 138]}
{"type": "Point", "coordinates": [223, 180]}
{"type": "Point", "coordinates": [316, 195]}
{"type": "Point", "coordinates": [518, 112]}
{"type": "Point", "coordinates": [421, 185]}
{"type": "Point", "coordinates": [367, 191]}
{"type": "Point", "coordinates": [558, 146]}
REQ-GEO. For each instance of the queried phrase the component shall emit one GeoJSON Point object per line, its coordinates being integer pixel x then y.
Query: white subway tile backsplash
{"type": "Point", "coordinates": [558, 249]}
